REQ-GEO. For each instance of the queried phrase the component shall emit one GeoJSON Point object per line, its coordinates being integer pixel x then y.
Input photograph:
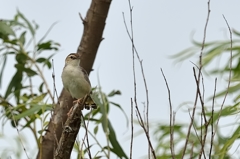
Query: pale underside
{"type": "Point", "coordinates": [75, 82]}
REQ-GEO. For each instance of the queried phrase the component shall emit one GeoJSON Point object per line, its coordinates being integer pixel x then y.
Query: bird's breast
{"type": "Point", "coordinates": [74, 81]}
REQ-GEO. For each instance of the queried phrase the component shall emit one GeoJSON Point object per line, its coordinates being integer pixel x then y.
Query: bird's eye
{"type": "Point", "coordinates": [72, 57]}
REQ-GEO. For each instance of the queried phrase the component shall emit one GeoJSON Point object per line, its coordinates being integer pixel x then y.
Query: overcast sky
{"type": "Point", "coordinates": [161, 28]}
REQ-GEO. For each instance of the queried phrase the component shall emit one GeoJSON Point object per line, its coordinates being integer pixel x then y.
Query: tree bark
{"type": "Point", "coordinates": [94, 24]}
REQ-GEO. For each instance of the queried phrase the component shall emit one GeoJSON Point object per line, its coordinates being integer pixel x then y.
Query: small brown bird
{"type": "Point", "coordinates": [75, 80]}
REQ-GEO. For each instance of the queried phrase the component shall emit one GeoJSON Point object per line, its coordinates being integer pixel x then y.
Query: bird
{"type": "Point", "coordinates": [76, 81]}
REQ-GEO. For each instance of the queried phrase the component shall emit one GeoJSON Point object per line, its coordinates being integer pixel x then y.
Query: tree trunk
{"type": "Point", "coordinates": [94, 24]}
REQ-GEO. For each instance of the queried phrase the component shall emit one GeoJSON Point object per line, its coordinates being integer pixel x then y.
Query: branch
{"type": "Point", "coordinates": [70, 131]}
{"type": "Point", "coordinates": [172, 118]}
{"type": "Point", "coordinates": [145, 125]}
{"type": "Point", "coordinates": [211, 119]}
{"type": "Point", "coordinates": [198, 80]}
{"type": "Point", "coordinates": [91, 38]}
{"type": "Point", "coordinates": [131, 142]}
{"type": "Point", "coordinates": [230, 72]}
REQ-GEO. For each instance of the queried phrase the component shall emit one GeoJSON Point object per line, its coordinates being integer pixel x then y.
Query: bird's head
{"type": "Point", "coordinates": [72, 59]}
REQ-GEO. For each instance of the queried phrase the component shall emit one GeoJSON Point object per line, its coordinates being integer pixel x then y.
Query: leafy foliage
{"type": "Point", "coordinates": [218, 51]}
{"type": "Point", "coordinates": [99, 118]}
{"type": "Point", "coordinates": [24, 104]}
{"type": "Point", "coordinates": [14, 44]}
{"type": "Point", "coordinates": [213, 52]}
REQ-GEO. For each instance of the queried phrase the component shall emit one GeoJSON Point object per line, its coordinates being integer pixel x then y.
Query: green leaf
{"type": "Point", "coordinates": [13, 41]}
{"type": "Point", "coordinates": [28, 71]}
{"type": "Point", "coordinates": [41, 88]}
{"type": "Point", "coordinates": [117, 92]}
{"type": "Point", "coordinates": [21, 58]}
{"type": "Point", "coordinates": [45, 35]}
{"type": "Point", "coordinates": [45, 61]}
{"type": "Point", "coordinates": [117, 149]}
{"type": "Point", "coordinates": [104, 114]}
{"type": "Point", "coordinates": [49, 45]}
{"type": "Point", "coordinates": [95, 130]}
{"type": "Point", "coordinates": [48, 63]}
{"type": "Point", "coordinates": [183, 55]}
{"type": "Point", "coordinates": [34, 109]}
{"type": "Point", "coordinates": [236, 32]}
{"type": "Point", "coordinates": [5, 29]}
{"type": "Point", "coordinates": [226, 111]}
{"type": "Point", "coordinates": [22, 38]}
{"type": "Point", "coordinates": [117, 105]}
{"type": "Point", "coordinates": [39, 98]}
{"type": "Point", "coordinates": [229, 143]}
{"type": "Point", "coordinates": [3, 64]}
{"type": "Point", "coordinates": [214, 52]}
{"type": "Point", "coordinates": [14, 84]}
{"type": "Point", "coordinates": [41, 59]}
{"type": "Point", "coordinates": [231, 89]}
{"type": "Point", "coordinates": [30, 27]}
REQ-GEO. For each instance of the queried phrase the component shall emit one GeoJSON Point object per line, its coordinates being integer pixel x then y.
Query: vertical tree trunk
{"type": "Point", "coordinates": [94, 24]}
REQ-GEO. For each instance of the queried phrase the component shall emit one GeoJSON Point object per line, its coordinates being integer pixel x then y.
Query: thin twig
{"type": "Point", "coordinates": [200, 95]}
{"type": "Point", "coordinates": [199, 138]}
{"type": "Point", "coordinates": [171, 117]}
{"type": "Point", "coordinates": [145, 130]}
{"type": "Point", "coordinates": [44, 80]}
{"type": "Point", "coordinates": [190, 125]}
{"type": "Point", "coordinates": [98, 143]}
{"type": "Point", "coordinates": [131, 142]}
{"type": "Point", "coordinates": [191, 152]}
{"type": "Point", "coordinates": [195, 130]}
{"type": "Point", "coordinates": [229, 78]}
{"type": "Point", "coordinates": [203, 142]}
{"type": "Point", "coordinates": [54, 84]}
{"type": "Point", "coordinates": [201, 130]}
{"type": "Point", "coordinates": [230, 72]}
{"type": "Point", "coordinates": [83, 20]}
{"type": "Point", "coordinates": [86, 134]}
{"type": "Point", "coordinates": [14, 121]}
{"type": "Point", "coordinates": [203, 114]}
{"type": "Point", "coordinates": [211, 119]}
{"type": "Point", "coordinates": [134, 50]}
{"type": "Point", "coordinates": [199, 75]}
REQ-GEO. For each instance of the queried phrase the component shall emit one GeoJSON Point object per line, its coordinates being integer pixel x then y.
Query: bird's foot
{"type": "Point", "coordinates": [78, 101]}
{"type": "Point", "coordinates": [69, 112]}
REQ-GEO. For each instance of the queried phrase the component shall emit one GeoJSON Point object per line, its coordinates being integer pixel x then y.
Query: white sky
{"type": "Point", "coordinates": [161, 28]}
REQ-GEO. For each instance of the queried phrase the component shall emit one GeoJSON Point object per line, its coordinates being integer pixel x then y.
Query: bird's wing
{"type": "Point", "coordinates": [85, 75]}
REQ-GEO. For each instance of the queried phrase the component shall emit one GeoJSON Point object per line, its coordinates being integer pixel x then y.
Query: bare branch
{"type": "Point", "coordinates": [211, 119]}
{"type": "Point", "coordinates": [14, 122]}
{"type": "Point", "coordinates": [134, 51]}
{"type": "Point", "coordinates": [200, 95]}
{"type": "Point", "coordinates": [145, 131]}
{"type": "Point", "coordinates": [90, 41]}
{"type": "Point", "coordinates": [171, 118]}
{"type": "Point", "coordinates": [230, 72]}
{"type": "Point", "coordinates": [131, 142]}
{"type": "Point", "coordinates": [83, 20]}
{"type": "Point", "coordinates": [54, 84]}
{"type": "Point", "coordinates": [86, 135]}
{"type": "Point", "coordinates": [71, 129]}
{"type": "Point", "coordinates": [198, 79]}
